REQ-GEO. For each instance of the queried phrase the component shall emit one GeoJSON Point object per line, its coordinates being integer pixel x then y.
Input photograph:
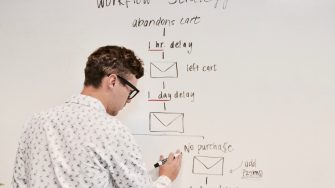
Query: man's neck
{"type": "Point", "coordinates": [96, 93]}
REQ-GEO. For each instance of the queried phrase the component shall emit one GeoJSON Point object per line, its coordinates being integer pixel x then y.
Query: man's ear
{"type": "Point", "coordinates": [111, 80]}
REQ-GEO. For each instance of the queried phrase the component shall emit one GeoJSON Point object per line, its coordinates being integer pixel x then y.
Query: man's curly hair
{"type": "Point", "coordinates": [111, 60]}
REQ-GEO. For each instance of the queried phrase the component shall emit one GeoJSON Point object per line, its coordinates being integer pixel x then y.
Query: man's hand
{"type": "Point", "coordinates": [171, 167]}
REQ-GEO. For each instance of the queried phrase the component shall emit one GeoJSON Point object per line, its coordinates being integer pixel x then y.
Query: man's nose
{"type": "Point", "coordinates": [128, 100]}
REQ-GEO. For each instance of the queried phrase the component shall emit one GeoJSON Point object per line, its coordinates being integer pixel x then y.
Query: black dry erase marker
{"type": "Point", "coordinates": [161, 162]}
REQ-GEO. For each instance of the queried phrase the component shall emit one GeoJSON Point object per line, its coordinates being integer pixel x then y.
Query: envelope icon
{"type": "Point", "coordinates": [166, 122]}
{"type": "Point", "coordinates": [208, 165]}
{"type": "Point", "coordinates": [163, 70]}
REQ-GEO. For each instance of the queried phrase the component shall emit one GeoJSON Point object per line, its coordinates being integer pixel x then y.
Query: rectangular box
{"type": "Point", "coordinates": [166, 122]}
{"type": "Point", "coordinates": [208, 165]}
{"type": "Point", "coordinates": [163, 70]}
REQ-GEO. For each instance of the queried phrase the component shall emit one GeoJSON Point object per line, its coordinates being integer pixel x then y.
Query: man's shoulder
{"type": "Point", "coordinates": [53, 109]}
{"type": "Point", "coordinates": [44, 114]}
{"type": "Point", "coordinates": [111, 122]}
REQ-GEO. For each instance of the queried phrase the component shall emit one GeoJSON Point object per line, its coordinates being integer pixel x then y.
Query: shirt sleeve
{"type": "Point", "coordinates": [19, 175]}
{"type": "Point", "coordinates": [126, 165]}
{"type": "Point", "coordinates": [162, 182]}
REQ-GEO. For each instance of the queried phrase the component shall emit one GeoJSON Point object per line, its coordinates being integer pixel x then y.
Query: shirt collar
{"type": "Point", "coordinates": [87, 101]}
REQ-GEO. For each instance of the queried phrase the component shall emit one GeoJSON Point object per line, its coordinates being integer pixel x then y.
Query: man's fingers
{"type": "Point", "coordinates": [179, 154]}
{"type": "Point", "coordinates": [171, 156]}
{"type": "Point", "coordinates": [173, 159]}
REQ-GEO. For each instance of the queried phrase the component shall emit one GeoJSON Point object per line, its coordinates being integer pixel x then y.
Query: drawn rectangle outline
{"type": "Point", "coordinates": [163, 70]}
{"type": "Point", "coordinates": [208, 165]}
{"type": "Point", "coordinates": [166, 122]}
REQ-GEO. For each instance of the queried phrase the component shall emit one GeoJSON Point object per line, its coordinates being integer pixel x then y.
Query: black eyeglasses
{"type": "Point", "coordinates": [133, 92]}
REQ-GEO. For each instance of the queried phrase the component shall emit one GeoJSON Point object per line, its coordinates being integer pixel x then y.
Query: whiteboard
{"type": "Point", "coordinates": [245, 89]}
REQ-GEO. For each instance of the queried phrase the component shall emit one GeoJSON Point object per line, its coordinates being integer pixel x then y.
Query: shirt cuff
{"type": "Point", "coordinates": [162, 182]}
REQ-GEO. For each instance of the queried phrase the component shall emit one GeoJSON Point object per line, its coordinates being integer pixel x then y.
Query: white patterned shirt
{"type": "Point", "coordinates": [78, 144]}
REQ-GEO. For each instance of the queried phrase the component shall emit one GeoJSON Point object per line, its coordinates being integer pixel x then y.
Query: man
{"type": "Point", "coordinates": [80, 143]}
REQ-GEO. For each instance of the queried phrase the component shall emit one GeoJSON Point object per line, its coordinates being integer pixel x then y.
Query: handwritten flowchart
{"type": "Point", "coordinates": [173, 122]}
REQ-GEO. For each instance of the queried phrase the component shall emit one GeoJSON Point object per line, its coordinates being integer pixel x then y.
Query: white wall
{"type": "Point", "coordinates": [271, 98]}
